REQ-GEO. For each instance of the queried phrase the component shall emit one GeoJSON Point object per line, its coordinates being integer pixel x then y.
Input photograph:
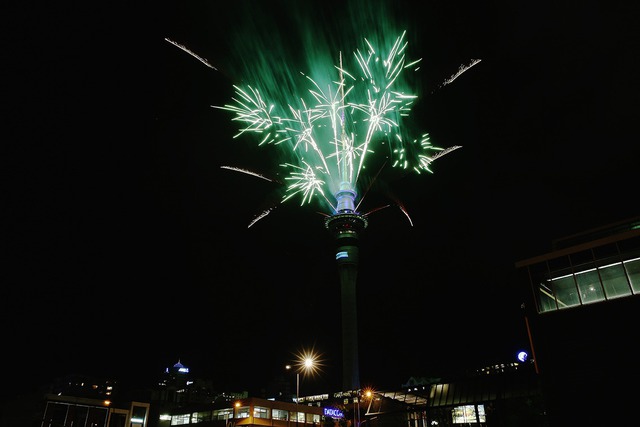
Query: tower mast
{"type": "Point", "coordinates": [346, 225]}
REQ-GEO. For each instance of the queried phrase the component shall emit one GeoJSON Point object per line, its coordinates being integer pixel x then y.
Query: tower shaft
{"type": "Point", "coordinates": [350, 361]}
{"type": "Point", "coordinates": [346, 227]}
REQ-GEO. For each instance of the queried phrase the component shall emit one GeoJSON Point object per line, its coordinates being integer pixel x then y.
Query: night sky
{"type": "Point", "coordinates": [126, 246]}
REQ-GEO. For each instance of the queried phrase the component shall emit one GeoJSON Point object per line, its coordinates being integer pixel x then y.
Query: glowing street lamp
{"type": "Point", "coordinates": [308, 363]}
{"type": "Point", "coordinates": [366, 395]}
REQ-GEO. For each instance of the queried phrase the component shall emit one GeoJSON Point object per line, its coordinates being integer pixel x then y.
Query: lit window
{"type": "Point", "coordinates": [468, 414]}
{"type": "Point", "coordinates": [243, 412]}
{"type": "Point", "coordinates": [279, 414]}
{"type": "Point", "coordinates": [261, 412]}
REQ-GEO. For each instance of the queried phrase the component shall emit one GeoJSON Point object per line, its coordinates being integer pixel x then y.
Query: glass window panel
{"type": "Point", "coordinates": [614, 279]}
{"type": "Point", "coordinates": [558, 264]}
{"type": "Point", "coordinates": [539, 271]}
{"type": "Point", "coordinates": [178, 420]}
{"type": "Point", "coordinates": [543, 292]}
{"type": "Point", "coordinates": [200, 417]}
{"type": "Point", "coordinates": [633, 270]}
{"type": "Point", "coordinates": [605, 251]}
{"type": "Point", "coordinates": [279, 414]}
{"type": "Point", "coordinates": [630, 246]}
{"type": "Point", "coordinates": [242, 412]}
{"type": "Point", "coordinates": [481, 415]}
{"type": "Point", "coordinates": [464, 414]}
{"type": "Point", "coordinates": [566, 291]}
{"type": "Point", "coordinates": [97, 417]}
{"type": "Point", "coordinates": [545, 298]}
{"type": "Point", "coordinates": [223, 414]}
{"type": "Point", "coordinates": [581, 258]}
{"type": "Point", "coordinates": [56, 413]}
{"type": "Point", "coordinates": [589, 285]}
{"type": "Point", "coordinates": [261, 412]}
{"type": "Point", "coordinates": [80, 415]}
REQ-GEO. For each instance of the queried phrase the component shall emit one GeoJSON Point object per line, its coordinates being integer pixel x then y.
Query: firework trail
{"type": "Point", "coordinates": [203, 60]}
{"type": "Point", "coordinates": [260, 216]}
{"type": "Point", "coordinates": [462, 69]}
{"type": "Point", "coordinates": [246, 171]}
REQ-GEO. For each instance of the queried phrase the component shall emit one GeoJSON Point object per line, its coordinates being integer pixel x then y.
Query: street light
{"type": "Point", "coordinates": [307, 363]}
{"type": "Point", "coordinates": [366, 394]}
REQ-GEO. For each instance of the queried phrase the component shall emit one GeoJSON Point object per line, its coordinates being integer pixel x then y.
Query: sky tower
{"type": "Point", "coordinates": [346, 226]}
{"type": "Point", "coordinates": [327, 137]}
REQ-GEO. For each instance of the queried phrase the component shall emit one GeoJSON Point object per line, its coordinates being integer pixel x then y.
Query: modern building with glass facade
{"type": "Point", "coordinates": [582, 307]}
{"type": "Point", "coordinates": [251, 411]}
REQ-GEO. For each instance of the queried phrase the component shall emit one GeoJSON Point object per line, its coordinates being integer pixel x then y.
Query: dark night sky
{"type": "Point", "coordinates": [126, 247]}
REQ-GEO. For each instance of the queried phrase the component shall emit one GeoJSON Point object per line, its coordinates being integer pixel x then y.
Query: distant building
{"type": "Point", "coordinates": [493, 396]}
{"type": "Point", "coordinates": [582, 307]}
{"type": "Point", "coordinates": [497, 396]}
{"type": "Point", "coordinates": [177, 387]}
{"type": "Point", "coordinates": [251, 411]}
{"type": "Point", "coordinates": [178, 394]}
{"type": "Point", "coordinates": [84, 386]}
{"type": "Point", "coordinates": [83, 401]}
{"type": "Point", "coordinates": [64, 410]}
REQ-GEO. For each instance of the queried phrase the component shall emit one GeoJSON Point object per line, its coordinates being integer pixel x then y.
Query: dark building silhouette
{"type": "Point", "coordinates": [582, 307]}
{"type": "Point", "coordinates": [84, 401]}
{"type": "Point", "coordinates": [494, 396]}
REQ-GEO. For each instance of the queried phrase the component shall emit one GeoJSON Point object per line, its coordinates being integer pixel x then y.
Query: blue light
{"type": "Point", "coordinates": [342, 254]}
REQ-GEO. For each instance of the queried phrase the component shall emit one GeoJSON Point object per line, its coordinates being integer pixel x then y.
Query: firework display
{"type": "Point", "coordinates": [330, 133]}
{"type": "Point", "coordinates": [336, 127]}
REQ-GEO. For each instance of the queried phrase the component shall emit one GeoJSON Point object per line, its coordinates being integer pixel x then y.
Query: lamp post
{"type": "Point", "coordinates": [297, 392]}
{"type": "Point", "coordinates": [297, 389]}
{"type": "Point", "coordinates": [297, 397]}
{"type": "Point", "coordinates": [307, 363]}
{"type": "Point", "coordinates": [361, 394]}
